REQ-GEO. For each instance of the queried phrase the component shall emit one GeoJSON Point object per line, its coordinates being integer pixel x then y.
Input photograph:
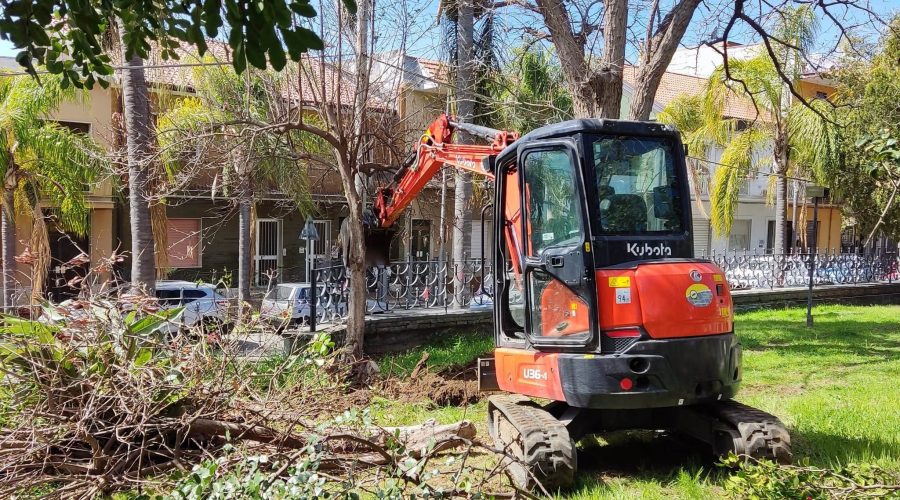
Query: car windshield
{"type": "Point", "coordinates": [283, 292]}
{"type": "Point", "coordinates": [637, 185]}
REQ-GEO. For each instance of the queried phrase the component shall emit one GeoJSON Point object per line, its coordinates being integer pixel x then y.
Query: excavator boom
{"type": "Point", "coordinates": [434, 150]}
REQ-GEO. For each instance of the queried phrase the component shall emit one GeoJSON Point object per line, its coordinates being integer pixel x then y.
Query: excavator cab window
{"type": "Point", "coordinates": [637, 186]}
{"type": "Point", "coordinates": [558, 300]}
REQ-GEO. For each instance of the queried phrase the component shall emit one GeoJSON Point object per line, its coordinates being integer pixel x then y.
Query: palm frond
{"type": "Point", "coordinates": [737, 163]}
{"type": "Point", "coordinates": [814, 147]}
{"type": "Point", "coordinates": [63, 166]}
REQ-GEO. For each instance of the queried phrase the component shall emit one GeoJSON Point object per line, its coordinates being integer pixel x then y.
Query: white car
{"type": "Point", "coordinates": [288, 304]}
{"type": "Point", "coordinates": [203, 306]}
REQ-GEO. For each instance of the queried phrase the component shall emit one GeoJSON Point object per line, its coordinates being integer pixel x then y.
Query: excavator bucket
{"type": "Point", "coordinates": [378, 245]}
{"type": "Point", "coordinates": [376, 242]}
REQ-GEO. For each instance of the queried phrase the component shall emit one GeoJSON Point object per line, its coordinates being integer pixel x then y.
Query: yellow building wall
{"type": "Point", "coordinates": [809, 89]}
{"type": "Point", "coordinates": [95, 108]}
{"type": "Point", "coordinates": [101, 238]}
{"type": "Point", "coordinates": [829, 237]}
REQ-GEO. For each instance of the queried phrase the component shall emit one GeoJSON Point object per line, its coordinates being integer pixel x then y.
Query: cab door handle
{"type": "Point", "coordinates": [556, 261]}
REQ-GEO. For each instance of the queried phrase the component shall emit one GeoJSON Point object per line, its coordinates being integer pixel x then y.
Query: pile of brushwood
{"type": "Point", "coordinates": [100, 396]}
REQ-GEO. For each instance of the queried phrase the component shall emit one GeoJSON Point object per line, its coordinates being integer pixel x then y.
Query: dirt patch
{"type": "Point", "coordinates": [453, 386]}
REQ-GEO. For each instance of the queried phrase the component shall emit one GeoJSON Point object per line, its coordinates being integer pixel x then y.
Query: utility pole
{"type": "Point", "coordinates": [816, 193]}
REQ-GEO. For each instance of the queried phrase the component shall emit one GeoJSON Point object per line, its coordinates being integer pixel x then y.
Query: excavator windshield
{"type": "Point", "coordinates": [638, 190]}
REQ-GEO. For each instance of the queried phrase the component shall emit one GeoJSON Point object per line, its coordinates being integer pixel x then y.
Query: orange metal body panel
{"type": "Point", "coordinates": [666, 300]}
{"type": "Point", "coordinates": [530, 373]}
{"type": "Point", "coordinates": [612, 314]}
{"type": "Point", "coordinates": [674, 305]}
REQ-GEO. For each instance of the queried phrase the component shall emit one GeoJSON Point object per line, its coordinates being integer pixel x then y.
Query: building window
{"type": "Point", "coordinates": [76, 127]}
{"type": "Point", "coordinates": [184, 242]}
{"type": "Point", "coordinates": [739, 239]}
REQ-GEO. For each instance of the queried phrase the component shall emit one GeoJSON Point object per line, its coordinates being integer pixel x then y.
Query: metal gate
{"type": "Point", "coordinates": [268, 249]}
{"type": "Point", "coordinates": [321, 248]}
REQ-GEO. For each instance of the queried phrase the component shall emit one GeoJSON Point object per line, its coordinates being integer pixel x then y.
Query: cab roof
{"type": "Point", "coordinates": [569, 128]}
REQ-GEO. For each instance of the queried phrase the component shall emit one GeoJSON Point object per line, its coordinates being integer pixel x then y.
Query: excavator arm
{"type": "Point", "coordinates": [434, 150]}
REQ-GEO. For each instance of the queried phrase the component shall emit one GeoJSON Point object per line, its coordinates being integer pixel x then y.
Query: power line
{"type": "Point", "coordinates": [751, 170]}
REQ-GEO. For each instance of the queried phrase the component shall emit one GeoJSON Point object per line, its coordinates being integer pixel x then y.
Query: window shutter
{"type": "Point", "coordinates": [184, 242]}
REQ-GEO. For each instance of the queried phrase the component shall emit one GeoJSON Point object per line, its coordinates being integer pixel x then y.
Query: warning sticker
{"type": "Point", "coordinates": [619, 282]}
{"type": "Point", "coordinates": [623, 295]}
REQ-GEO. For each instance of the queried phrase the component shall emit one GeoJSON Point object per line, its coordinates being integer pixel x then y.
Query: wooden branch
{"type": "Point", "coordinates": [203, 427]}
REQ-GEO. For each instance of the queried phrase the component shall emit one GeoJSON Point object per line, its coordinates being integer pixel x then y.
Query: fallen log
{"type": "Point", "coordinates": [415, 438]}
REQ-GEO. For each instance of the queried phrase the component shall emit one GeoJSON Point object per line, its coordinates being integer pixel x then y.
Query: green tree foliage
{"type": "Point", "coordinates": [44, 164]}
{"type": "Point", "coordinates": [67, 35]}
{"type": "Point", "coordinates": [869, 95]}
{"type": "Point", "coordinates": [531, 90]}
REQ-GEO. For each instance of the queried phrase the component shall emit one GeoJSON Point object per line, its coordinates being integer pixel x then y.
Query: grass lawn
{"type": "Point", "coordinates": [836, 386]}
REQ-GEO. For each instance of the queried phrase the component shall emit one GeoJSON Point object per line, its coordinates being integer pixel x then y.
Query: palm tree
{"type": "Point", "coordinates": [42, 163]}
{"type": "Point", "coordinates": [226, 106]}
{"type": "Point", "coordinates": [139, 147]}
{"type": "Point", "coordinates": [532, 91]}
{"type": "Point", "coordinates": [800, 139]}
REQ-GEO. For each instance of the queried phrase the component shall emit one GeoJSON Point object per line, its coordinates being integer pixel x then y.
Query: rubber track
{"type": "Point", "coordinates": [543, 442]}
{"type": "Point", "coordinates": [761, 435]}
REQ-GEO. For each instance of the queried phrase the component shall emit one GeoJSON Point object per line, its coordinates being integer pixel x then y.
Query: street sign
{"type": "Point", "coordinates": [816, 191]}
{"type": "Point", "coordinates": [309, 232]}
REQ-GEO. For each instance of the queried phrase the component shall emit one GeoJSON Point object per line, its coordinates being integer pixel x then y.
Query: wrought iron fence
{"type": "Point", "coordinates": [407, 285]}
{"type": "Point", "coordinates": [748, 270]}
{"type": "Point", "coordinates": [446, 285]}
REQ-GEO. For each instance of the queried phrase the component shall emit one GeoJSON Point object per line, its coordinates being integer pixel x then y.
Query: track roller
{"type": "Point", "coordinates": [545, 451]}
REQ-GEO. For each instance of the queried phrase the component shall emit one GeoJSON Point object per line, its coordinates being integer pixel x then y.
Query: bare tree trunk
{"type": "Point", "coordinates": [245, 216]}
{"type": "Point", "coordinates": [465, 105]}
{"type": "Point", "coordinates": [8, 230]}
{"type": "Point", "coordinates": [781, 164]}
{"type": "Point", "coordinates": [595, 92]}
{"type": "Point", "coordinates": [354, 259]}
{"type": "Point", "coordinates": [136, 98]}
{"type": "Point", "coordinates": [656, 56]}
{"type": "Point", "coordinates": [612, 60]}
{"type": "Point", "coordinates": [355, 190]}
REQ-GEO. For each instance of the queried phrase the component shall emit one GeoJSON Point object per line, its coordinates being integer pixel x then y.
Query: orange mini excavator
{"type": "Point", "coordinates": [602, 309]}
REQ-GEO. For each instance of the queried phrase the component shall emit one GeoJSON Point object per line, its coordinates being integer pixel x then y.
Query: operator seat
{"type": "Point", "coordinates": [622, 213]}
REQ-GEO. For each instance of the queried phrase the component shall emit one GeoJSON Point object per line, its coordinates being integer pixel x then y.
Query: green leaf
{"type": "Point", "coordinates": [144, 355]}
{"type": "Point", "coordinates": [277, 58]}
{"type": "Point", "coordinates": [303, 9]}
{"type": "Point", "coordinates": [240, 58]}
{"type": "Point", "coordinates": [148, 324]}
{"type": "Point", "coordinates": [310, 39]}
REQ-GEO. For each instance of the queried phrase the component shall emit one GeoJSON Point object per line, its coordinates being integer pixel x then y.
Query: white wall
{"type": "Point", "coordinates": [757, 212]}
